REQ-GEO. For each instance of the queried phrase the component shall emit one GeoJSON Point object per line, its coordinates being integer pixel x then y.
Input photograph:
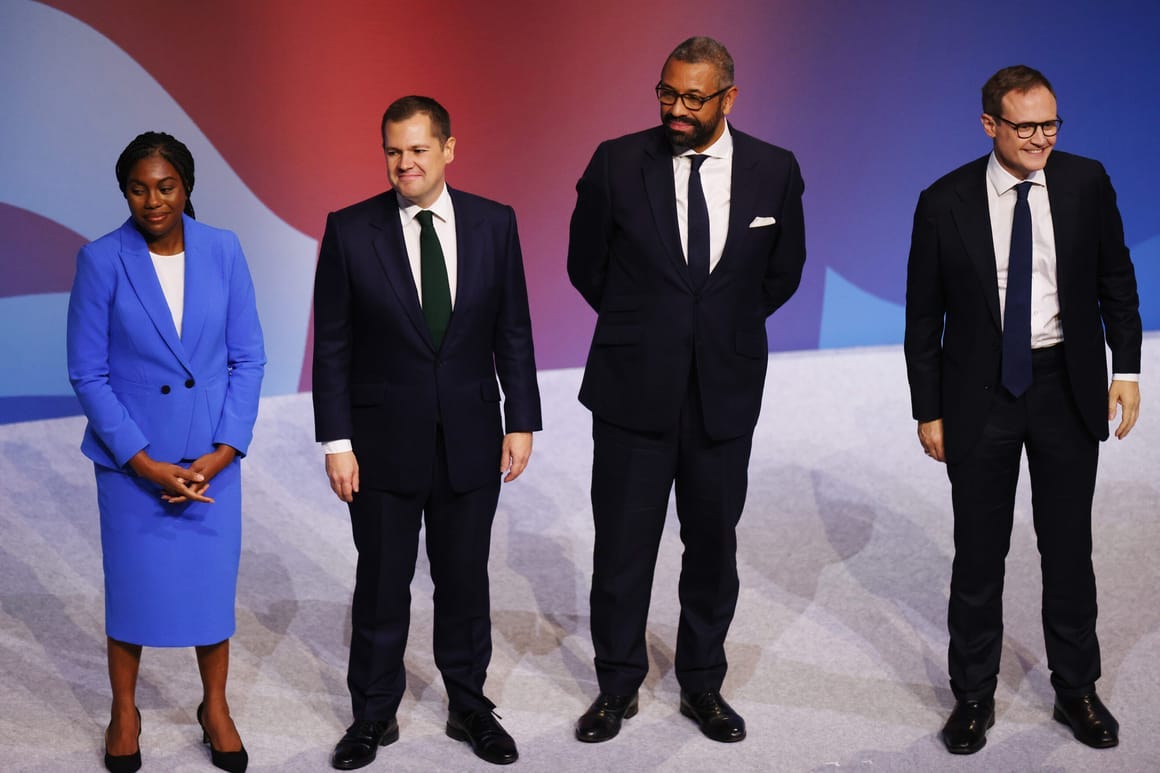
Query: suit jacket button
{"type": "Point", "coordinates": [189, 383]}
{"type": "Point", "coordinates": [165, 389]}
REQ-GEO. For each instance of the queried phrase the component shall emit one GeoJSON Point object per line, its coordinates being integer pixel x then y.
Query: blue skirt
{"type": "Point", "coordinates": [171, 571]}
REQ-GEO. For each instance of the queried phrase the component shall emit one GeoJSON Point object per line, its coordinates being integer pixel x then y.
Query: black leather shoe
{"type": "Point", "coordinates": [602, 720]}
{"type": "Point", "coordinates": [1089, 719]}
{"type": "Point", "coordinates": [124, 763]}
{"type": "Point", "coordinates": [717, 718]}
{"type": "Point", "coordinates": [966, 729]}
{"type": "Point", "coordinates": [362, 741]}
{"type": "Point", "coordinates": [234, 762]}
{"type": "Point", "coordinates": [487, 737]}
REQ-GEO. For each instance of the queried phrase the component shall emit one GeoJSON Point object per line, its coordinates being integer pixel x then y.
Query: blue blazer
{"type": "Point", "coordinates": [380, 381]}
{"type": "Point", "coordinates": [140, 384]}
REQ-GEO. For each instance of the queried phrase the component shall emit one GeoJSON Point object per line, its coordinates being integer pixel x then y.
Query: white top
{"type": "Point", "coordinates": [717, 183]}
{"type": "Point", "coordinates": [171, 274]}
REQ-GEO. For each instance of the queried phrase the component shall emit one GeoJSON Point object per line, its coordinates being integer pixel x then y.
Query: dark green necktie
{"type": "Point", "coordinates": [433, 278]}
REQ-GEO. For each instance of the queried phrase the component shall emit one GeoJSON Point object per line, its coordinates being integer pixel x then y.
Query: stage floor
{"type": "Point", "coordinates": [837, 654]}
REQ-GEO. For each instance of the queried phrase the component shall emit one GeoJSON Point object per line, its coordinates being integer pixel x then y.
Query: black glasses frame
{"type": "Point", "coordinates": [1026, 131]}
{"type": "Point", "coordinates": [694, 102]}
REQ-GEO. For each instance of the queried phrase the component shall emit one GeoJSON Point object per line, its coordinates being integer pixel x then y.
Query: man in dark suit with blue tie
{"type": "Point", "coordinates": [1018, 274]}
{"type": "Point", "coordinates": [684, 239]}
{"type": "Point", "coordinates": [419, 303]}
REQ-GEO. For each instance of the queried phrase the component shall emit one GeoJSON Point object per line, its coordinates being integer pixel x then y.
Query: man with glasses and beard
{"type": "Point", "coordinates": [1017, 275]}
{"type": "Point", "coordinates": [684, 239]}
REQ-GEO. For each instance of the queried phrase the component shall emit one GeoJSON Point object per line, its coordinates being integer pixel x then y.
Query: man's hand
{"type": "Point", "coordinates": [513, 459]}
{"type": "Point", "coordinates": [930, 434]}
{"type": "Point", "coordinates": [1127, 395]}
{"type": "Point", "coordinates": [342, 470]}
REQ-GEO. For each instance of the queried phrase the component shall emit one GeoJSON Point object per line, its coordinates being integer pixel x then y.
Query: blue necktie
{"type": "Point", "coordinates": [1017, 306]}
{"type": "Point", "coordinates": [698, 216]}
{"type": "Point", "coordinates": [436, 298]}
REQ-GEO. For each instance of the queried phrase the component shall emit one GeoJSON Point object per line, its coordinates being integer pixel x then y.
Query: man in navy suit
{"type": "Point", "coordinates": [1018, 272]}
{"type": "Point", "coordinates": [685, 238]}
{"type": "Point", "coordinates": [419, 303]}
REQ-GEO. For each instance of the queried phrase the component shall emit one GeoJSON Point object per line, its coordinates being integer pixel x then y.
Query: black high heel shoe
{"type": "Point", "coordinates": [124, 763]}
{"type": "Point", "coordinates": [234, 762]}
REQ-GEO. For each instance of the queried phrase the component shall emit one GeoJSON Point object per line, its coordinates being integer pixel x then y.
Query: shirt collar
{"type": "Point", "coordinates": [1002, 181]}
{"type": "Point", "coordinates": [441, 207]}
{"type": "Point", "coordinates": [722, 148]}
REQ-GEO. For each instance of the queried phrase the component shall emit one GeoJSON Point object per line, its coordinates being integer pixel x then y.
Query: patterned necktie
{"type": "Point", "coordinates": [698, 217]}
{"type": "Point", "coordinates": [433, 278]}
{"type": "Point", "coordinates": [1017, 306]}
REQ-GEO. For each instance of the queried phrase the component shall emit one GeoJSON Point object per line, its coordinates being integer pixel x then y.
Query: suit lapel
{"type": "Point", "coordinates": [198, 250]}
{"type": "Point", "coordinates": [743, 189]}
{"type": "Point", "coordinates": [143, 279]}
{"type": "Point", "coordinates": [468, 262]}
{"type": "Point", "coordinates": [973, 218]}
{"type": "Point", "coordinates": [662, 199]}
{"type": "Point", "coordinates": [1065, 218]}
{"type": "Point", "coordinates": [391, 251]}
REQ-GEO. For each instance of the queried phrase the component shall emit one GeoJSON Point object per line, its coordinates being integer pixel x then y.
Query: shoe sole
{"type": "Point", "coordinates": [1061, 718]}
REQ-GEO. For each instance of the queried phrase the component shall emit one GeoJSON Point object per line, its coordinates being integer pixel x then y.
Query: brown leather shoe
{"type": "Point", "coordinates": [1090, 721]}
{"type": "Point", "coordinates": [966, 729]}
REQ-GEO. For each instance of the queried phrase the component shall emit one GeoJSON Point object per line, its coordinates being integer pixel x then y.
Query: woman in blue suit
{"type": "Point", "coordinates": [165, 354]}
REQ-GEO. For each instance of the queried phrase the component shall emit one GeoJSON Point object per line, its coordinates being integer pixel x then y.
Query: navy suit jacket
{"type": "Point", "coordinates": [953, 339]}
{"type": "Point", "coordinates": [625, 257]}
{"type": "Point", "coordinates": [140, 384]}
{"type": "Point", "coordinates": [378, 378]}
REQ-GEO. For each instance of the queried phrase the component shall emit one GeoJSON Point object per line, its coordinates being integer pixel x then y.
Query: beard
{"type": "Point", "coordinates": [700, 134]}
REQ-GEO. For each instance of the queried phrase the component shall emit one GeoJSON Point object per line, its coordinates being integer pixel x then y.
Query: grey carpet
{"type": "Point", "coordinates": [837, 653]}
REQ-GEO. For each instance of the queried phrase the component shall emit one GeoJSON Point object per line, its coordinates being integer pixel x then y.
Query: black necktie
{"type": "Point", "coordinates": [698, 216]}
{"type": "Point", "coordinates": [433, 278]}
{"type": "Point", "coordinates": [1017, 306]}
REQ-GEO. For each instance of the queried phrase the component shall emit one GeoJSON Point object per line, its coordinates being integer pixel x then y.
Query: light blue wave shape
{"type": "Point", "coordinates": [71, 102]}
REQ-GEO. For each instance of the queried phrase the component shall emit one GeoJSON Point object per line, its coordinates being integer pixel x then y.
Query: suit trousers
{"type": "Point", "coordinates": [632, 475]}
{"type": "Point", "coordinates": [1061, 457]}
{"type": "Point", "coordinates": [386, 533]}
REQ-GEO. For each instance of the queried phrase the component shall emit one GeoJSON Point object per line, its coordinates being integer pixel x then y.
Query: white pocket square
{"type": "Point", "coordinates": [762, 222]}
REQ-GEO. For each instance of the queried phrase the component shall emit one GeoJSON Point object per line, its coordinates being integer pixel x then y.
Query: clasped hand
{"type": "Point", "coordinates": [183, 484]}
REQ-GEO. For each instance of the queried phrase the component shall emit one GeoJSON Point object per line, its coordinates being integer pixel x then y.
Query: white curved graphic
{"type": "Point", "coordinates": [71, 100]}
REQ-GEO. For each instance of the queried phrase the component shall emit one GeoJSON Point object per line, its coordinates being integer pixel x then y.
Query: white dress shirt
{"type": "Point", "coordinates": [1046, 328]}
{"type": "Point", "coordinates": [444, 222]}
{"type": "Point", "coordinates": [171, 274]}
{"type": "Point", "coordinates": [717, 183]}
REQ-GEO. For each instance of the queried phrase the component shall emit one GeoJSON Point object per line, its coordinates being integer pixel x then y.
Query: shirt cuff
{"type": "Point", "coordinates": [336, 446]}
{"type": "Point", "coordinates": [1125, 377]}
